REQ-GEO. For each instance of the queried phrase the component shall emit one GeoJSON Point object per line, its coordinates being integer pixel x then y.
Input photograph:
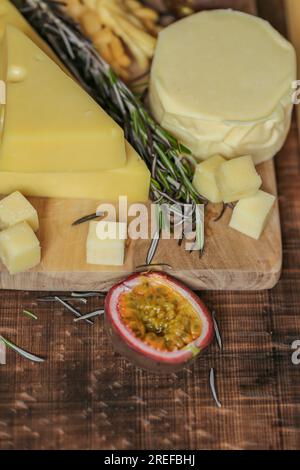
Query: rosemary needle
{"type": "Point", "coordinates": [222, 212]}
{"type": "Point", "coordinates": [53, 299]}
{"type": "Point", "coordinates": [71, 309]}
{"type": "Point", "coordinates": [87, 218]}
{"type": "Point", "coordinates": [89, 315]}
{"type": "Point", "coordinates": [217, 331]}
{"type": "Point", "coordinates": [30, 314]}
{"type": "Point", "coordinates": [22, 352]}
{"type": "Point", "coordinates": [152, 249]}
{"type": "Point", "coordinates": [85, 295]}
{"type": "Point", "coordinates": [213, 387]}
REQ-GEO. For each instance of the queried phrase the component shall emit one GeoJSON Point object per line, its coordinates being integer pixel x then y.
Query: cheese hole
{"type": "Point", "coordinates": [39, 57]}
{"type": "Point", "coordinates": [16, 74]}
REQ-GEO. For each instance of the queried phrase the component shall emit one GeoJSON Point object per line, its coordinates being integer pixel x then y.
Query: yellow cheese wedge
{"type": "Point", "coordinates": [131, 180]}
{"type": "Point", "coordinates": [221, 81]}
{"type": "Point", "coordinates": [10, 15]}
{"type": "Point", "coordinates": [50, 122]}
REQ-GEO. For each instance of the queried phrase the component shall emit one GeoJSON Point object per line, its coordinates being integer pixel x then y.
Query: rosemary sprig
{"type": "Point", "coordinates": [22, 352]}
{"type": "Point", "coordinates": [171, 173]}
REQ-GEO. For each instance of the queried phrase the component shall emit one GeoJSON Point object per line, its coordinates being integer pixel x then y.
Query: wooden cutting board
{"type": "Point", "coordinates": [231, 260]}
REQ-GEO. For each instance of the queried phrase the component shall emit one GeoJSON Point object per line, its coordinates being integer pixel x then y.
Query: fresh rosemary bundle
{"type": "Point", "coordinates": [171, 163]}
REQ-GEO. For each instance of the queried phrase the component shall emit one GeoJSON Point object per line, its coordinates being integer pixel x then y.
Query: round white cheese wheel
{"type": "Point", "coordinates": [221, 81]}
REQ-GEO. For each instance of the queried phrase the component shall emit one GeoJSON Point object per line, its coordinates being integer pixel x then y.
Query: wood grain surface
{"type": "Point", "coordinates": [87, 397]}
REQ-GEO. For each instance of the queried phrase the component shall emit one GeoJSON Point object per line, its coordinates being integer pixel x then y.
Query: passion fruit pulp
{"type": "Point", "coordinates": [157, 322]}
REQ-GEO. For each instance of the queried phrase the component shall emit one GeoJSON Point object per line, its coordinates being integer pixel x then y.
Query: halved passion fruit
{"type": "Point", "coordinates": [157, 322]}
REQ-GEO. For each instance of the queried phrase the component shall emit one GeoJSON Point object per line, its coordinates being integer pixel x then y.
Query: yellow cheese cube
{"type": "Point", "coordinates": [50, 123]}
{"type": "Point", "coordinates": [106, 243]}
{"type": "Point", "coordinates": [131, 180]}
{"type": "Point", "coordinates": [19, 248]}
{"type": "Point", "coordinates": [14, 209]}
{"type": "Point", "coordinates": [238, 179]}
{"type": "Point", "coordinates": [250, 215]}
{"type": "Point", "coordinates": [205, 178]}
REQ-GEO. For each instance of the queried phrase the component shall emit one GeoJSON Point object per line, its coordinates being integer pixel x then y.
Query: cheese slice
{"type": "Point", "coordinates": [221, 81]}
{"type": "Point", "coordinates": [10, 15]}
{"type": "Point", "coordinates": [50, 122]}
{"type": "Point", "coordinates": [131, 180]}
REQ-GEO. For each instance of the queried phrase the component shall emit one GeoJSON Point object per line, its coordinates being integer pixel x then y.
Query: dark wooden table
{"type": "Point", "coordinates": [87, 397]}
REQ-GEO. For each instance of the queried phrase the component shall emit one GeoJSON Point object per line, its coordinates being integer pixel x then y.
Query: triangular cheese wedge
{"type": "Point", "coordinates": [10, 15]}
{"type": "Point", "coordinates": [50, 122]}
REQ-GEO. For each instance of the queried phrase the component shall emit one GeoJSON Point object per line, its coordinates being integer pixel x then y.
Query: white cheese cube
{"type": "Point", "coordinates": [19, 248]}
{"type": "Point", "coordinates": [250, 215]}
{"type": "Point", "coordinates": [205, 178]}
{"type": "Point", "coordinates": [14, 209]}
{"type": "Point", "coordinates": [106, 243]}
{"type": "Point", "coordinates": [238, 179]}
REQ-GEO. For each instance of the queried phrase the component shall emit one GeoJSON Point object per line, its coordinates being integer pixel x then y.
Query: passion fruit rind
{"type": "Point", "coordinates": [145, 351]}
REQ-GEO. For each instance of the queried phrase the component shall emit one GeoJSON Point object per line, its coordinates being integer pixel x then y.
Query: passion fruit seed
{"type": "Point", "coordinates": [159, 316]}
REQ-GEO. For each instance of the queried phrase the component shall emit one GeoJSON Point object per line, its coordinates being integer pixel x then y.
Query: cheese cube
{"type": "Point", "coordinates": [14, 209]}
{"type": "Point", "coordinates": [250, 215]}
{"type": "Point", "coordinates": [19, 248]}
{"type": "Point", "coordinates": [238, 179]}
{"type": "Point", "coordinates": [106, 243]}
{"type": "Point", "coordinates": [205, 178]}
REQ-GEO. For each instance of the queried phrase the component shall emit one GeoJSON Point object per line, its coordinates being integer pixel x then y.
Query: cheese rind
{"type": "Point", "coordinates": [108, 251]}
{"type": "Point", "coordinates": [237, 179]}
{"type": "Point", "coordinates": [214, 85]}
{"type": "Point", "coordinates": [250, 215]}
{"type": "Point", "coordinates": [50, 123]}
{"type": "Point", "coordinates": [15, 209]}
{"type": "Point", "coordinates": [205, 179]}
{"type": "Point", "coordinates": [19, 248]}
{"type": "Point", "coordinates": [131, 180]}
